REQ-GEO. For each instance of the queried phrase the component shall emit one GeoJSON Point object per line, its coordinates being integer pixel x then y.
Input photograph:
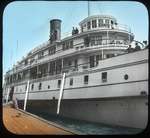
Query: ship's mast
{"type": "Point", "coordinates": [88, 8]}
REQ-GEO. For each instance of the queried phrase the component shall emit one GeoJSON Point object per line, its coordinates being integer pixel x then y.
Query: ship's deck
{"type": "Point", "coordinates": [20, 122]}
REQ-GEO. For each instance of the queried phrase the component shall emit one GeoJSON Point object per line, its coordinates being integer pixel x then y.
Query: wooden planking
{"type": "Point", "coordinates": [26, 124]}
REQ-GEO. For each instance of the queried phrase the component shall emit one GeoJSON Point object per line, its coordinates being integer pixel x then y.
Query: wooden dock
{"type": "Point", "coordinates": [20, 122]}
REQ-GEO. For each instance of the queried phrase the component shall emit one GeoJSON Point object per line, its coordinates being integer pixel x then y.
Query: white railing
{"type": "Point", "coordinates": [123, 27]}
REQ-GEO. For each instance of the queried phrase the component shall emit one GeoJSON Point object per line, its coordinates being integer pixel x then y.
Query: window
{"type": "Point", "coordinates": [126, 76]}
{"type": "Point", "coordinates": [40, 55]}
{"type": "Point", "coordinates": [86, 79]}
{"type": "Point", "coordinates": [86, 41]}
{"type": "Point", "coordinates": [76, 63]}
{"type": "Point", "coordinates": [71, 44]}
{"type": "Point", "coordinates": [40, 86]}
{"type": "Point", "coordinates": [52, 50]}
{"type": "Point", "coordinates": [97, 59]}
{"type": "Point", "coordinates": [69, 63]}
{"type": "Point", "coordinates": [48, 86]}
{"type": "Point", "coordinates": [26, 62]}
{"type": "Point", "coordinates": [67, 45]}
{"type": "Point", "coordinates": [107, 23]}
{"type": "Point", "coordinates": [71, 81]}
{"type": "Point", "coordinates": [25, 87]}
{"type": "Point", "coordinates": [88, 25]}
{"type": "Point", "coordinates": [94, 25]}
{"type": "Point", "coordinates": [59, 83]}
{"type": "Point", "coordinates": [104, 76]}
{"type": "Point", "coordinates": [92, 62]}
{"type": "Point", "coordinates": [100, 22]}
{"type": "Point", "coordinates": [112, 22]}
{"type": "Point", "coordinates": [32, 86]}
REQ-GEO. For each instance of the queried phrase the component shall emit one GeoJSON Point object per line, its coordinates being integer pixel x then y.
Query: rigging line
{"type": "Point", "coordinates": [11, 58]}
{"type": "Point", "coordinates": [88, 8]}
{"type": "Point", "coordinates": [17, 50]}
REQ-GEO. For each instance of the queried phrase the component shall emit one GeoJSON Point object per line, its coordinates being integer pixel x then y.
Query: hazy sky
{"type": "Point", "coordinates": [26, 23]}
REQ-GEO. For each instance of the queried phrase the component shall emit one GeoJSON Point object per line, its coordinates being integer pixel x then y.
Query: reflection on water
{"type": "Point", "coordinates": [85, 127]}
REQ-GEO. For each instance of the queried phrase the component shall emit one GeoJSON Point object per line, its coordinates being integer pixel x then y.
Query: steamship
{"type": "Point", "coordinates": [91, 75]}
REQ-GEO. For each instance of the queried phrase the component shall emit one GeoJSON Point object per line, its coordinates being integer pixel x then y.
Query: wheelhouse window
{"type": "Point", "coordinates": [40, 86]}
{"type": "Point", "coordinates": [86, 79]}
{"type": "Point", "coordinates": [94, 23]}
{"type": "Point", "coordinates": [88, 25]}
{"type": "Point", "coordinates": [59, 83]}
{"type": "Point", "coordinates": [71, 81]}
{"type": "Point", "coordinates": [104, 76]}
{"type": "Point", "coordinates": [107, 23]}
{"type": "Point", "coordinates": [100, 22]}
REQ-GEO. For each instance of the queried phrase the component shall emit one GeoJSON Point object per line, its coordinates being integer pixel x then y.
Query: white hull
{"type": "Point", "coordinates": [118, 101]}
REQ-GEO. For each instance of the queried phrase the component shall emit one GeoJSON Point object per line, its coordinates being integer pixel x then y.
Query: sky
{"type": "Point", "coordinates": [26, 23]}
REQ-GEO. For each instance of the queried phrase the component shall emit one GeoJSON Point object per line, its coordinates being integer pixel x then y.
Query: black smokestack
{"type": "Point", "coordinates": [55, 30]}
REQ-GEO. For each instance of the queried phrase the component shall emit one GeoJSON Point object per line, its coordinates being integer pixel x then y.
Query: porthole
{"type": "Point", "coordinates": [126, 76]}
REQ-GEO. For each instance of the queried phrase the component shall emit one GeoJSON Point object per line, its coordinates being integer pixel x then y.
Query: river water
{"type": "Point", "coordinates": [88, 128]}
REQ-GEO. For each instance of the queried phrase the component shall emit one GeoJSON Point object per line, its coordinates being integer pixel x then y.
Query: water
{"type": "Point", "coordinates": [89, 128]}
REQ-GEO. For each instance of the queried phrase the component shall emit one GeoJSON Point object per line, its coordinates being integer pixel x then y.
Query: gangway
{"type": "Point", "coordinates": [61, 93]}
{"type": "Point", "coordinates": [26, 96]}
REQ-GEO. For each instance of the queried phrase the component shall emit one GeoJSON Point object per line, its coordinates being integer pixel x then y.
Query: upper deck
{"type": "Point", "coordinates": [97, 33]}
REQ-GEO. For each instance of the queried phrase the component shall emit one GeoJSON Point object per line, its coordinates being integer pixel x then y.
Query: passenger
{"type": "Point", "coordinates": [73, 31]}
{"type": "Point", "coordinates": [130, 49]}
{"type": "Point", "coordinates": [15, 102]}
{"type": "Point", "coordinates": [76, 31]}
{"type": "Point", "coordinates": [137, 47]}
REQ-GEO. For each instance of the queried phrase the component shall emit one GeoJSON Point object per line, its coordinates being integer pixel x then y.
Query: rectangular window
{"type": "Point", "coordinates": [40, 55]}
{"type": "Point", "coordinates": [71, 81]}
{"type": "Point", "coordinates": [104, 76]}
{"type": "Point", "coordinates": [26, 62]}
{"type": "Point", "coordinates": [71, 44]}
{"type": "Point", "coordinates": [32, 86]}
{"type": "Point", "coordinates": [92, 62]}
{"type": "Point", "coordinates": [88, 25]}
{"type": "Point", "coordinates": [86, 79]}
{"type": "Point", "coordinates": [40, 86]}
{"type": "Point", "coordinates": [86, 41]}
{"type": "Point", "coordinates": [94, 25]}
{"type": "Point", "coordinates": [59, 83]}
{"type": "Point", "coordinates": [100, 22]}
{"type": "Point", "coordinates": [107, 23]}
{"type": "Point", "coordinates": [97, 59]}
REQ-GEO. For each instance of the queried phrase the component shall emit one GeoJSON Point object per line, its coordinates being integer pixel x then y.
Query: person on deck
{"type": "Point", "coordinates": [130, 49]}
{"type": "Point", "coordinates": [137, 47]}
{"type": "Point", "coordinates": [15, 102]}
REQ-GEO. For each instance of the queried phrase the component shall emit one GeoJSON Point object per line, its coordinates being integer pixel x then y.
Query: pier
{"type": "Point", "coordinates": [18, 121]}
